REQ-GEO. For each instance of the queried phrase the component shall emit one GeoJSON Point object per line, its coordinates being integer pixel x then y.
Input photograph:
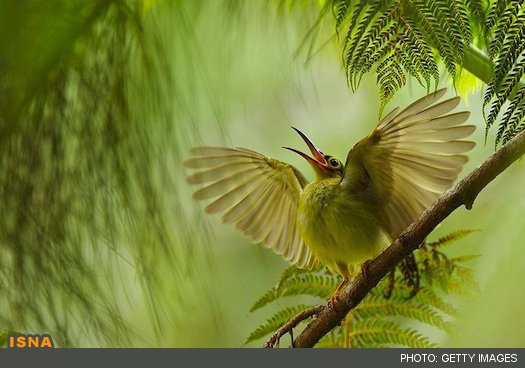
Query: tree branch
{"type": "Point", "coordinates": [464, 193]}
{"type": "Point", "coordinates": [289, 326]}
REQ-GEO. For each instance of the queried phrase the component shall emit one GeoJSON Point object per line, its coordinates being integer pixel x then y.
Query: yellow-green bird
{"type": "Point", "coordinates": [350, 212]}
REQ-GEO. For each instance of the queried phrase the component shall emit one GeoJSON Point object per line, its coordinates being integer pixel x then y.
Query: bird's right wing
{"type": "Point", "coordinates": [410, 159]}
{"type": "Point", "coordinates": [256, 194]}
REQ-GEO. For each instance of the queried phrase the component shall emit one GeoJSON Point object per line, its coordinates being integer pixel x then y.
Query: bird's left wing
{"type": "Point", "coordinates": [256, 194]}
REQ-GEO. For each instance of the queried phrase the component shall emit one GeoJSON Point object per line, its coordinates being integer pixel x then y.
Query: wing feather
{"type": "Point", "coordinates": [256, 194]}
{"type": "Point", "coordinates": [411, 158]}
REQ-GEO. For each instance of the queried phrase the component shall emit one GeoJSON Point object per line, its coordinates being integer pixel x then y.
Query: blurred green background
{"type": "Point", "coordinates": [100, 241]}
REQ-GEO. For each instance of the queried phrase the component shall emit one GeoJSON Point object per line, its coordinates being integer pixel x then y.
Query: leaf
{"type": "Point", "coordinates": [390, 77]}
{"type": "Point", "coordinates": [380, 333]}
{"type": "Point", "coordinates": [450, 238]}
{"type": "Point", "coordinates": [308, 284]}
{"type": "Point", "coordinates": [375, 306]}
{"type": "Point", "coordinates": [378, 321]}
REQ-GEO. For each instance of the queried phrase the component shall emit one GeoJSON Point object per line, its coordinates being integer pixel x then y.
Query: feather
{"type": "Point", "coordinates": [256, 194]}
{"type": "Point", "coordinates": [411, 158]}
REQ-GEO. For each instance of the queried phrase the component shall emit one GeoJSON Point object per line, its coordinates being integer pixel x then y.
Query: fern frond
{"type": "Point", "coordinates": [463, 281]}
{"type": "Point", "coordinates": [512, 48]}
{"type": "Point", "coordinates": [450, 238]}
{"type": "Point", "coordinates": [335, 339]}
{"type": "Point", "coordinates": [508, 48]}
{"type": "Point", "coordinates": [275, 322]}
{"type": "Point", "coordinates": [476, 8]}
{"type": "Point", "coordinates": [510, 119]}
{"type": "Point", "coordinates": [378, 332]}
{"type": "Point", "coordinates": [355, 34]}
{"type": "Point", "coordinates": [514, 124]}
{"type": "Point", "coordinates": [429, 297]}
{"type": "Point", "coordinates": [340, 11]}
{"type": "Point", "coordinates": [464, 258]}
{"type": "Point", "coordinates": [307, 284]}
{"type": "Point", "coordinates": [444, 13]}
{"type": "Point", "coordinates": [509, 83]}
{"type": "Point", "coordinates": [376, 51]}
{"type": "Point", "coordinates": [379, 321]}
{"type": "Point", "coordinates": [379, 32]}
{"type": "Point", "coordinates": [294, 271]}
{"type": "Point", "coordinates": [267, 298]}
{"type": "Point", "coordinates": [390, 77]}
{"type": "Point", "coordinates": [502, 26]}
{"type": "Point", "coordinates": [496, 10]}
{"type": "Point", "coordinates": [376, 306]}
{"type": "Point", "coordinates": [413, 64]}
{"type": "Point", "coordinates": [432, 26]}
{"type": "Point", "coordinates": [460, 16]}
{"type": "Point", "coordinates": [413, 37]}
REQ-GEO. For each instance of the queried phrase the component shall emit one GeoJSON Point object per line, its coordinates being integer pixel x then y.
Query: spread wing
{"type": "Point", "coordinates": [411, 158]}
{"type": "Point", "coordinates": [256, 194]}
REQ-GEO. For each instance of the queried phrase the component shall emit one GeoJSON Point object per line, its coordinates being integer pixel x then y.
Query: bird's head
{"type": "Point", "coordinates": [325, 166]}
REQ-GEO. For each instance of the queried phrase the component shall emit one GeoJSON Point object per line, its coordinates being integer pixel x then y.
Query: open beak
{"type": "Point", "coordinates": [318, 160]}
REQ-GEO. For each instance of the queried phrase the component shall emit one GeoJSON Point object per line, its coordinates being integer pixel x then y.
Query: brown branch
{"type": "Point", "coordinates": [288, 326]}
{"type": "Point", "coordinates": [464, 193]}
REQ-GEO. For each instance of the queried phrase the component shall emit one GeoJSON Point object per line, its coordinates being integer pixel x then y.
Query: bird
{"type": "Point", "coordinates": [350, 212]}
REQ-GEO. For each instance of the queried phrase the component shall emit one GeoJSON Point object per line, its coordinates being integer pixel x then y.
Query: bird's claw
{"type": "Point", "coordinates": [334, 298]}
{"type": "Point", "coordinates": [365, 270]}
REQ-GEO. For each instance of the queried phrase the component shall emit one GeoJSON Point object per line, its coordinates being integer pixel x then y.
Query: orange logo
{"type": "Point", "coordinates": [30, 341]}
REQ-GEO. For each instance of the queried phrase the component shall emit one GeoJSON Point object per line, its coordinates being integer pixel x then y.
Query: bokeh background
{"type": "Point", "coordinates": [100, 241]}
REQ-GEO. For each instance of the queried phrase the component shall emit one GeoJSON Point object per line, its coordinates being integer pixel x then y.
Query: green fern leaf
{"type": "Point", "coordinates": [267, 298]}
{"type": "Point", "coordinates": [502, 26]}
{"type": "Point", "coordinates": [340, 11]}
{"type": "Point", "coordinates": [460, 16]}
{"type": "Point", "coordinates": [496, 10]}
{"type": "Point", "coordinates": [335, 339]}
{"type": "Point", "coordinates": [509, 115]}
{"type": "Point", "coordinates": [380, 47]}
{"type": "Point", "coordinates": [432, 26]}
{"type": "Point", "coordinates": [355, 34]}
{"type": "Point", "coordinates": [372, 39]}
{"type": "Point", "coordinates": [377, 332]}
{"type": "Point", "coordinates": [378, 321]}
{"type": "Point", "coordinates": [465, 281]}
{"type": "Point", "coordinates": [514, 124]}
{"type": "Point", "coordinates": [450, 238]}
{"type": "Point", "coordinates": [508, 85]}
{"type": "Point", "coordinates": [376, 306]}
{"type": "Point", "coordinates": [412, 62]}
{"type": "Point", "coordinates": [390, 77]}
{"type": "Point", "coordinates": [321, 286]}
{"type": "Point", "coordinates": [476, 8]}
{"type": "Point", "coordinates": [420, 46]}
{"type": "Point", "coordinates": [512, 48]}
{"type": "Point", "coordinates": [294, 271]}
{"type": "Point", "coordinates": [429, 297]}
{"type": "Point", "coordinates": [443, 11]}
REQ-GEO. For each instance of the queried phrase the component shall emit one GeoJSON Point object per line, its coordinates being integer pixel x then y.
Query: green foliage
{"type": "Point", "coordinates": [4, 335]}
{"type": "Point", "coordinates": [303, 283]}
{"type": "Point", "coordinates": [401, 38]}
{"type": "Point", "coordinates": [391, 314]}
{"type": "Point", "coordinates": [506, 23]}
{"type": "Point", "coordinates": [86, 117]}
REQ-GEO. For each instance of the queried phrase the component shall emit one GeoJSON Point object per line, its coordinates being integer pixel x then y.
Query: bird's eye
{"type": "Point", "coordinates": [334, 162]}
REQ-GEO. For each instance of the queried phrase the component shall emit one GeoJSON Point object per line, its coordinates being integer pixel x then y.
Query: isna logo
{"type": "Point", "coordinates": [22, 341]}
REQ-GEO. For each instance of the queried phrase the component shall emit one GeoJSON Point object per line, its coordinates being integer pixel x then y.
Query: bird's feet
{"type": "Point", "coordinates": [334, 298]}
{"type": "Point", "coordinates": [365, 270]}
